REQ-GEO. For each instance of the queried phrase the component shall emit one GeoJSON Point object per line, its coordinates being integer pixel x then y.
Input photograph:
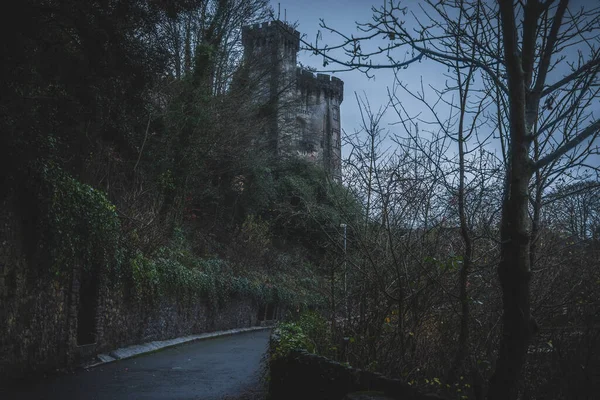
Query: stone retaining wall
{"type": "Point", "coordinates": [42, 312]}
{"type": "Point", "coordinates": [302, 375]}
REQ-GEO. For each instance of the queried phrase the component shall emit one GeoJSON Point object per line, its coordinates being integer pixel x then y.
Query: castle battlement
{"type": "Point", "coordinates": [258, 35]}
{"type": "Point", "coordinates": [330, 85]}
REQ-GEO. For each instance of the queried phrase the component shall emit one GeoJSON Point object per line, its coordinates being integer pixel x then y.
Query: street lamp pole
{"type": "Point", "coordinates": [345, 275]}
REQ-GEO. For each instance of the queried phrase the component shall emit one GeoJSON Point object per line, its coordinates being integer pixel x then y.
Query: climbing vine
{"type": "Point", "coordinates": [176, 272]}
{"type": "Point", "coordinates": [82, 224]}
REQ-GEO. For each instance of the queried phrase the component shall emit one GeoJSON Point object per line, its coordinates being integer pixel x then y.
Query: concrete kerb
{"type": "Point", "coordinates": [145, 348]}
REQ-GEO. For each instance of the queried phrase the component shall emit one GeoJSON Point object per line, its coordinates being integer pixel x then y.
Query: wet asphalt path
{"type": "Point", "coordinates": [210, 369]}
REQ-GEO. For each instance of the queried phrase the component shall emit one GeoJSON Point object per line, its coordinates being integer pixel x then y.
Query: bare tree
{"type": "Point", "coordinates": [394, 275]}
{"type": "Point", "coordinates": [542, 59]}
{"type": "Point", "coordinates": [210, 31]}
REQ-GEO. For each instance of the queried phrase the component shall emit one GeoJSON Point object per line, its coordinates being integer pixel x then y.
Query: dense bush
{"type": "Point", "coordinates": [81, 227]}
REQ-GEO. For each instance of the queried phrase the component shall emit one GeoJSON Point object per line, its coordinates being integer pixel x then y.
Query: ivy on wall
{"type": "Point", "coordinates": [82, 225]}
{"type": "Point", "coordinates": [173, 273]}
{"type": "Point", "coordinates": [82, 230]}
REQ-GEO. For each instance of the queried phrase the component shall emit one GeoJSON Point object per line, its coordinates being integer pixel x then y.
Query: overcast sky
{"type": "Point", "coordinates": [343, 15]}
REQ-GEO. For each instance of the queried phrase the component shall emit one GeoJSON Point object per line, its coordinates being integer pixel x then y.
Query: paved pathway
{"type": "Point", "coordinates": [211, 369]}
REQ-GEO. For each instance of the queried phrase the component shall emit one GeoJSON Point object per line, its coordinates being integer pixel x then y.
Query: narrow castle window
{"type": "Point", "coordinates": [305, 143]}
{"type": "Point", "coordinates": [336, 113]}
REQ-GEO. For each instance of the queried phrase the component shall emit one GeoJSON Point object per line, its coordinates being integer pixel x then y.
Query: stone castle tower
{"type": "Point", "coordinates": [304, 108]}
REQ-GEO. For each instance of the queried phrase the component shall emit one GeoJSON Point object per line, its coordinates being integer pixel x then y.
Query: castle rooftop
{"type": "Point", "coordinates": [257, 34]}
{"type": "Point", "coordinates": [331, 85]}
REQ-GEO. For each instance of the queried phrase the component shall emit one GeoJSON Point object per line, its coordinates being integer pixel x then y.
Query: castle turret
{"type": "Point", "coordinates": [320, 98]}
{"type": "Point", "coordinates": [271, 51]}
{"type": "Point", "coordinates": [305, 108]}
{"type": "Point", "coordinates": [275, 40]}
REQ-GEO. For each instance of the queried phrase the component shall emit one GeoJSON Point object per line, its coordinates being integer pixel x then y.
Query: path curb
{"type": "Point", "coordinates": [144, 348]}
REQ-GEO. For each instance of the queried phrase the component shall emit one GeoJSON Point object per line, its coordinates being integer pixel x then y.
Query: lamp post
{"type": "Point", "coordinates": [345, 275]}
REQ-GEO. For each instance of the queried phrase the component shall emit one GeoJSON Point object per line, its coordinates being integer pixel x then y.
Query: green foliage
{"type": "Point", "coordinates": [80, 72]}
{"type": "Point", "coordinates": [261, 189]}
{"type": "Point", "coordinates": [145, 277]}
{"type": "Point", "coordinates": [83, 226]}
{"type": "Point", "coordinates": [308, 205]}
{"type": "Point", "coordinates": [166, 181]}
{"type": "Point", "coordinates": [175, 271]}
{"type": "Point", "coordinates": [315, 327]}
{"type": "Point", "coordinates": [203, 66]}
{"type": "Point", "coordinates": [290, 336]}
{"type": "Point", "coordinates": [256, 234]}
{"type": "Point", "coordinates": [310, 332]}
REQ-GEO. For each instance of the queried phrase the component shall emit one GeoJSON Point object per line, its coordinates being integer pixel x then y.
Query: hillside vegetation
{"type": "Point", "coordinates": [128, 147]}
{"type": "Point", "coordinates": [126, 143]}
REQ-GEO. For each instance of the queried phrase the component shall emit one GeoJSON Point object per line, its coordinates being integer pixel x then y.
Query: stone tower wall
{"type": "Point", "coordinates": [305, 120]}
{"type": "Point", "coordinates": [313, 125]}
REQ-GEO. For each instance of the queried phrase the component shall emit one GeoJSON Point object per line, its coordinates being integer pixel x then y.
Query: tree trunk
{"type": "Point", "coordinates": [462, 349]}
{"type": "Point", "coordinates": [514, 277]}
{"type": "Point", "coordinates": [514, 269]}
